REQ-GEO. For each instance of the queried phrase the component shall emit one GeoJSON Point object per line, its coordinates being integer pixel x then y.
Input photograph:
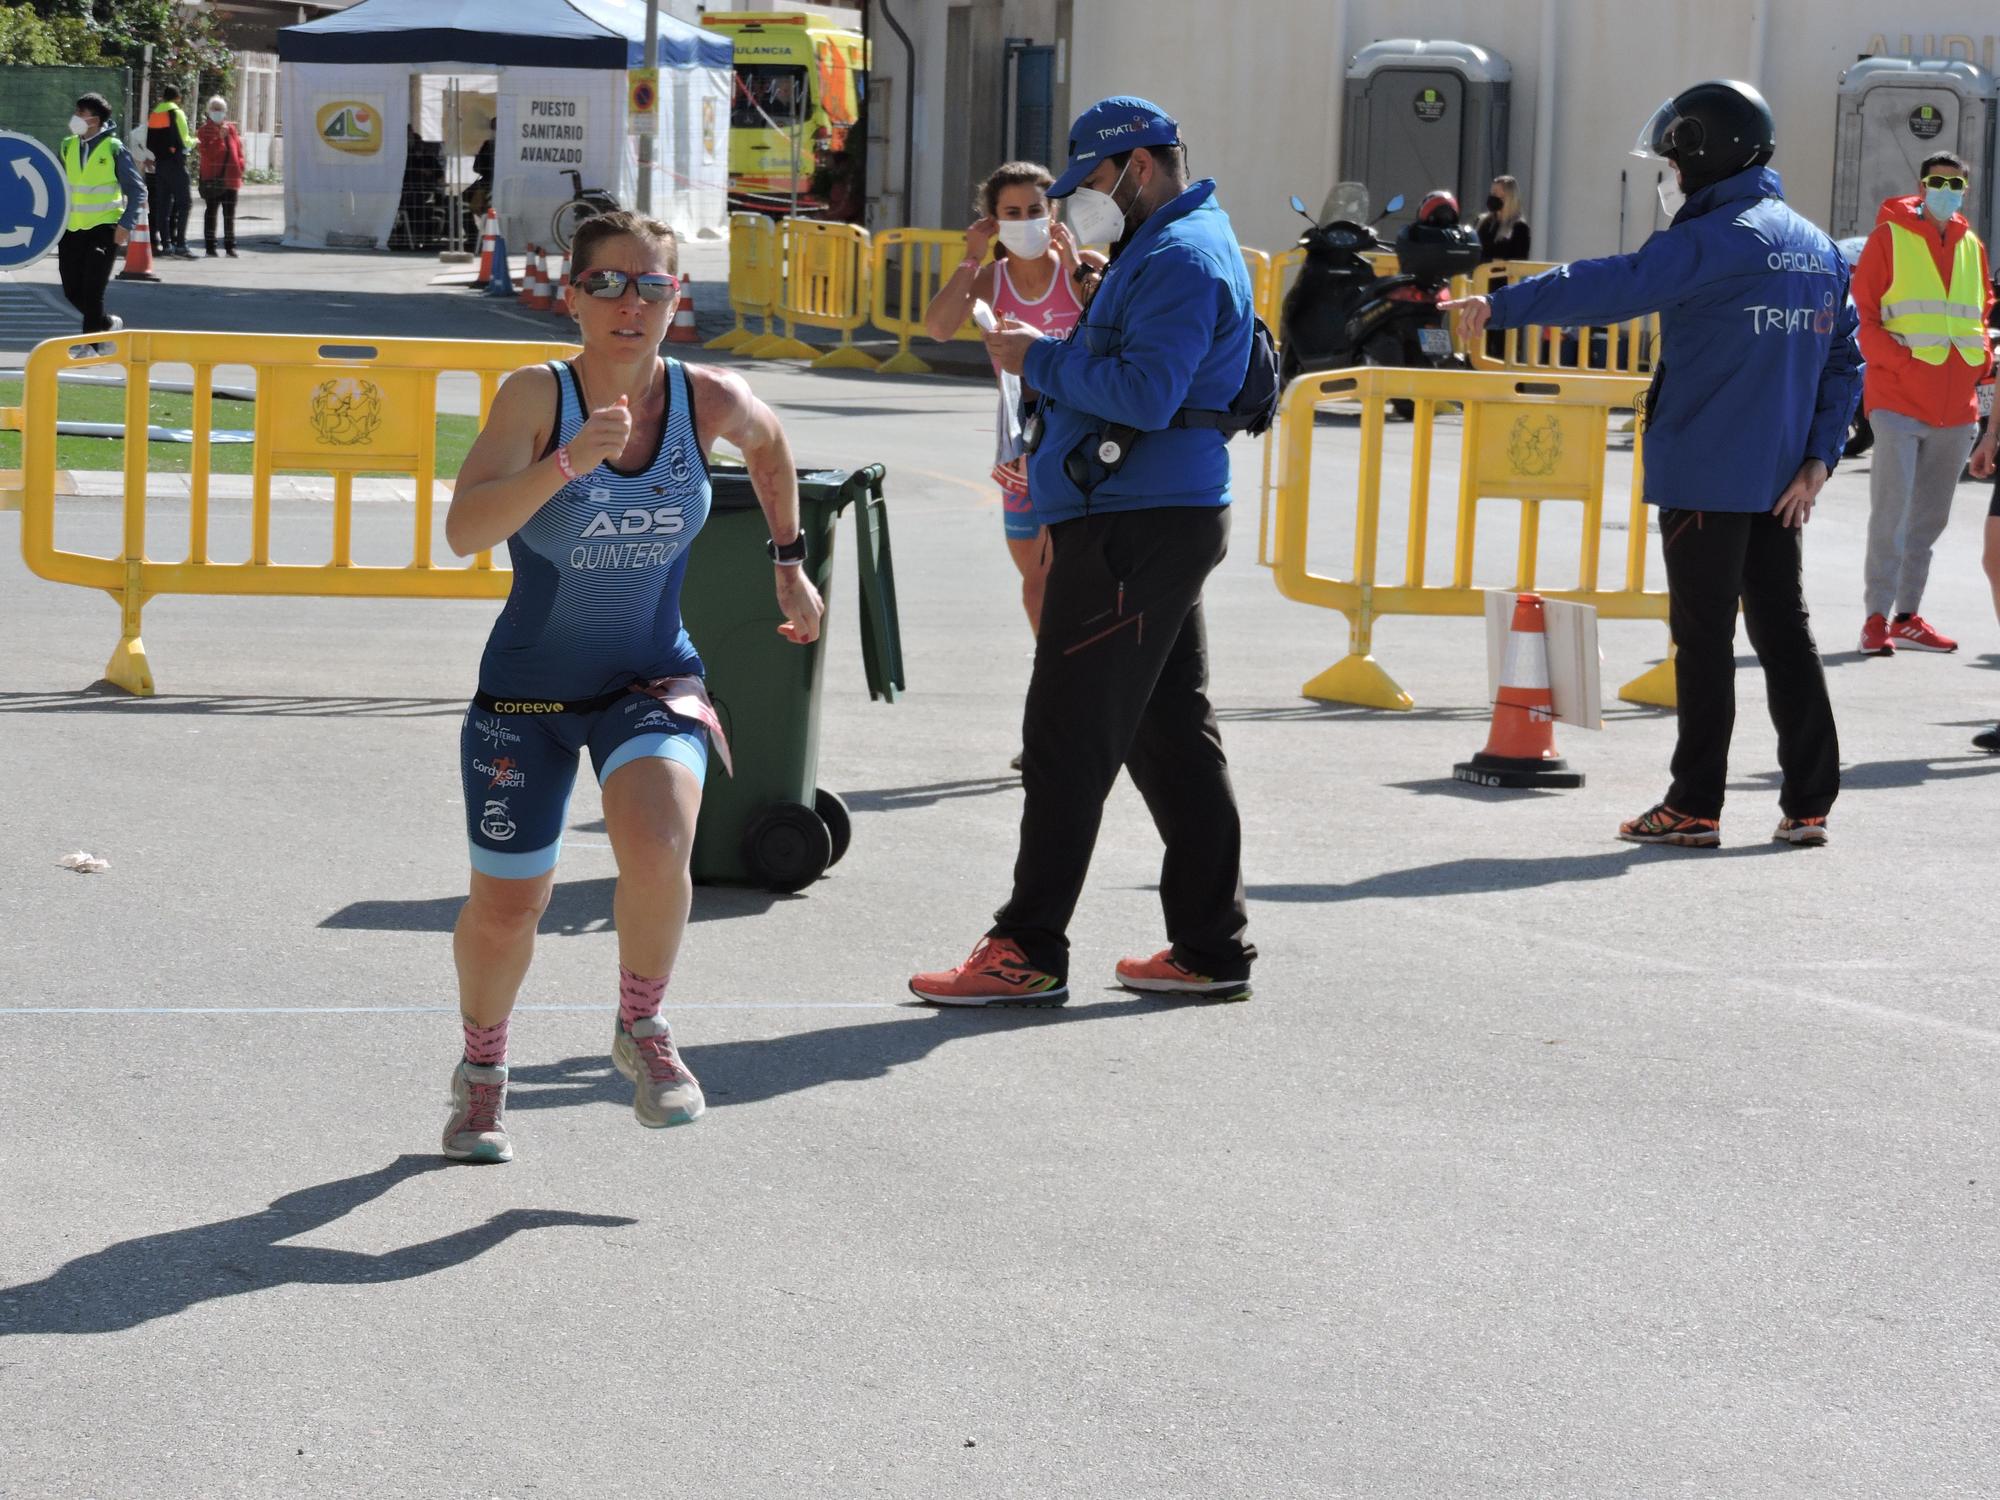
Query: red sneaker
{"type": "Point", "coordinates": [1660, 824]}
{"type": "Point", "coordinates": [1875, 637]}
{"type": "Point", "coordinates": [1916, 634]}
{"type": "Point", "coordinates": [1162, 974]}
{"type": "Point", "coordinates": [996, 973]}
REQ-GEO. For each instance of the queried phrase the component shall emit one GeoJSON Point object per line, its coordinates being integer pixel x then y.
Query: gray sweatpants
{"type": "Point", "coordinates": [1910, 488]}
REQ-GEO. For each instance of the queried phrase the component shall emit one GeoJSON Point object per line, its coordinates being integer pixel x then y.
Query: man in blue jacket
{"type": "Point", "coordinates": [1746, 417]}
{"type": "Point", "coordinates": [1121, 661]}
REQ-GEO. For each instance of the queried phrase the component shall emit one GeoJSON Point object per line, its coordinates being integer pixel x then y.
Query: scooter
{"type": "Point", "coordinates": [1340, 313]}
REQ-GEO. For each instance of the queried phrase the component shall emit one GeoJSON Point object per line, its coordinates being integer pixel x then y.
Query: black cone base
{"type": "Point", "coordinates": [1504, 770]}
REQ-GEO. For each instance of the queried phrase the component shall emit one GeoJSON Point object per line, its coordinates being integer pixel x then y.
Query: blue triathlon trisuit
{"type": "Point", "coordinates": [595, 607]}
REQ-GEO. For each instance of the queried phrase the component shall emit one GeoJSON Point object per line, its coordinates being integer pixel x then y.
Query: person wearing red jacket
{"type": "Point", "coordinates": [1922, 290]}
{"type": "Point", "coordinates": [221, 174]}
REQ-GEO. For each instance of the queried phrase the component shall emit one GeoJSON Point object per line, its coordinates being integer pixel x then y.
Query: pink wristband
{"type": "Point", "coordinates": [563, 464]}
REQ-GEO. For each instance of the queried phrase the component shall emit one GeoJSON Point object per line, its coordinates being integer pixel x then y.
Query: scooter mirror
{"type": "Point", "coordinates": [1394, 205]}
{"type": "Point", "coordinates": [1298, 206]}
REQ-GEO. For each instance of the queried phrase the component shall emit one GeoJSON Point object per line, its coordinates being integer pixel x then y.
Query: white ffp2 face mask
{"type": "Point", "coordinates": [1095, 218]}
{"type": "Point", "coordinates": [1027, 238]}
{"type": "Point", "coordinates": [1671, 199]}
{"type": "Point", "coordinates": [79, 125]}
{"type": "Point", "coordinates": [218, 115]}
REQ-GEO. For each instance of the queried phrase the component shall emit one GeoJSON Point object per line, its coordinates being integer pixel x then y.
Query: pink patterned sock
{"type": "Point", "coordinates": [486, 1046]}
{"type": "Point", "coordinates": [638, 997]}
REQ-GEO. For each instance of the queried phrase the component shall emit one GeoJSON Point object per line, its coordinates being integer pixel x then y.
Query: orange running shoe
{"type": "Point", "coordinates": [1807, 833]}
{"type": "Point", "coordinates": [1163, 974]}
{"type": "Point", "coordinates": [996, 973]}
{"type": "Point", "coordinates": [1660, 824]}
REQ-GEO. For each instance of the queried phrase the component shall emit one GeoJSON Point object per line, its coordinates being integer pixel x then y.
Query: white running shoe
{"type": "Point", "coordinates": [665, 1091]}
{"type": "Point", "coordinates": [477, 1129]}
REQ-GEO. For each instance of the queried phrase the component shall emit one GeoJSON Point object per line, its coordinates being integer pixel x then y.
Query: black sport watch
{"type": "Point", "coordinates": [793, 551]}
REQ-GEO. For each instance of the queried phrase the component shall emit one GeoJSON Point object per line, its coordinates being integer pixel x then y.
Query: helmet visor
{"type": "Point", "coordinates": [1657, 135]}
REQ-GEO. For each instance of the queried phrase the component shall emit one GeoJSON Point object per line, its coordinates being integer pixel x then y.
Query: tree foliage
{"type": "Point", "coordinates": [184, 39]}
{"type": "Point", "coordinates": [27, 37]}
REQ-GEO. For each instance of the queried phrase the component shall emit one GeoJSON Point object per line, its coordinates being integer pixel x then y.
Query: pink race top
{"type": "Point", "coordinates": [1054, 313]}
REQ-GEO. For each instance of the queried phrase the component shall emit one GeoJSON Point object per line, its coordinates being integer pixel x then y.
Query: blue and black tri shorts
{"type": "Point", "coordinates": [518, 758]}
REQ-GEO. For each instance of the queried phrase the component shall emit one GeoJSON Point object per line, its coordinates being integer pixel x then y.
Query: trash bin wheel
{"type": "Point", "coordinates": [839, 824]}
{"type": "Point", "coordinates": [787, 846]}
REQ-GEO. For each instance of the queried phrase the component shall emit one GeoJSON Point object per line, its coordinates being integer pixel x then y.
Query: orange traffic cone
{"type": "Point", "coordinates": [139, 255]}
{"type": "Point", "coordinates": [487, 239]}
{"type": "Point", "coordinates": [538, 300]}
{"type": "Point", "coordinates": [526, 298]}
{"type": "Point", "coordinates": [1521, 749]}
{"type": "Point", "coordinates": [684, 330]}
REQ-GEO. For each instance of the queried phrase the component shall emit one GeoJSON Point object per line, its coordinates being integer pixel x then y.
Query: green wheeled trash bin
{"type": "Point", "coordinates": [771, 824]}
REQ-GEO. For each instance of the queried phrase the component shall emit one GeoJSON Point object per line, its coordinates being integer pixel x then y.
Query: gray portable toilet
{"type": "Point", "coordinates": [1423, 115]}
{"type": "Point", "coordinates": [1895, 111]}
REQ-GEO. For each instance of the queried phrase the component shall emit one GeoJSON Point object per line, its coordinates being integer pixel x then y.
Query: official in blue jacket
{"type": "Point", "coordinates": [1121, 661]}
{"type": "Point", "coordinates": [1749, 408]}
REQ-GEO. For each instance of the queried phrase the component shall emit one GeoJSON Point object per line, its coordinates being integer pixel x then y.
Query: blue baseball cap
{"type": "Point", "coordinates": [1111, 127]}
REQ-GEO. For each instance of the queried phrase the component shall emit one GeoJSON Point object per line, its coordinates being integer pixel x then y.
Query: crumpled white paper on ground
{"type": "Point", "coordinates": [84, 864]}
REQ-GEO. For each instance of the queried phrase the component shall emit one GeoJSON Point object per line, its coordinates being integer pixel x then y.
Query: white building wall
{"type": "Point", "coordinates": [1256, 87]}
{"type": "Point", "coordinates": [926, 22]}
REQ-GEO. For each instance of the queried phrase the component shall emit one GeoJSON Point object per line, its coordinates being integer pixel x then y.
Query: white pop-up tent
{"type": "Point", "coordinates": [561, 95]}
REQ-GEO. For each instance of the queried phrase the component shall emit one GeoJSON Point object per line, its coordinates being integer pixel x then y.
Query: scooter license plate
{"type": "Point", "coordinates": [1435, 342]}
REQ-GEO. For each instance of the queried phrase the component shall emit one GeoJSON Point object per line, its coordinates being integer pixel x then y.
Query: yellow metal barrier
{"type": "Point", "coordinates": [756, 280]}
{"type": "Point", "coordinates": [10, 479]}
{"type": "Point", "coordinates": [826, 286]}
{"type": "Point", "coordinates": [925, 260]}
{"type": "Point", "coordinates": [323, 406]}
{"type": "Point", "coordinates": [1617, 349]}
{"type": "Point", "coordinates": [1531, 439]}
{"type": "Point", "coordinates": [1258, 266]}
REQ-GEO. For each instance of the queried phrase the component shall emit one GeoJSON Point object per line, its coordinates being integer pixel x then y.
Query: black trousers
{"type": "Point", "coordinates": [86, 259]}
{"type": "Point", "coordinates": [215, 196]}
{"type": "Point", "coordinates": [1714, 559]}
{"type": "Point", "coordinates": [1121, 679]}
{"type": "Point", "coordinates": [170, 215]}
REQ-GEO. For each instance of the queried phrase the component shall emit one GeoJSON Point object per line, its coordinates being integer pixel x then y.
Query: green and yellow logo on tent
{"type": "Point", "coordinates": [350, 125]}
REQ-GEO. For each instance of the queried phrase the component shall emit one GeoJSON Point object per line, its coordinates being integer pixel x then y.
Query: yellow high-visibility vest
{"type": "Point", "coordinates": [95, 196]}
{"type": "Point", "coordinates": [1925, 318]}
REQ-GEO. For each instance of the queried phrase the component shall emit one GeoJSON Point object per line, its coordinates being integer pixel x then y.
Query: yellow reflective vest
{"type": "Point", "coordinates": [95, 196]}
{"type": "Point", "coordinates": [1921, 314]}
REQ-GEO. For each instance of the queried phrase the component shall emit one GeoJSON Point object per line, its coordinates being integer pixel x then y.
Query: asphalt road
{"type": "Point", "coordinates": [1539, 1165]}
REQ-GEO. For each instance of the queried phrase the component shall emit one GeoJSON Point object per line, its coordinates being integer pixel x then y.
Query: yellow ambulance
{"type": "Point", "coordinates": [800, 85]}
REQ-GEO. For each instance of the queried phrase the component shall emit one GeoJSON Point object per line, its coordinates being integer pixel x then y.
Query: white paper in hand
{"type": "Point", "coordinates": [1008, 424]}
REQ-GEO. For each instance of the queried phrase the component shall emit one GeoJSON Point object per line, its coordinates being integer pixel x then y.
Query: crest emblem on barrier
{"type": "Point", "coordinates": [347, 411]}
{"type": "Point", "coordinates": [1535, 445]}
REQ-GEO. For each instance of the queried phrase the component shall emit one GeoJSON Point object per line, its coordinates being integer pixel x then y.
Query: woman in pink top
{"type": "Point", "coordinates": [1038, 277]}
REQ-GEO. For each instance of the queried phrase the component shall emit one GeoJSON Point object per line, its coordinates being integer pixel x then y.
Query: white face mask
{"type": "Point", "coordinates": [1027, 238]}
{"type": "Point", "coordinates": [81, 125]}
{"type": "Point", "coordinates": [218, 115]}
{"type": "Point", "coordinates": [1671, 199]}
{"type": "Point", "coordinates": [1095, 218]}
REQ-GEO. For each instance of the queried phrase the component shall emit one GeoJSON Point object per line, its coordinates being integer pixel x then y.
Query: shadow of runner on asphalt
{"type": "Point", "coordinates": [764, 1068]}
{"type": "Point", "coordinates": [1890, 775]}
{"type": "Point", "coordinates": [102, 698]}
{"type": "Point", "coordinates": [1488, 876]}
{"type": "Point", "coordinates": [575, 907]}
{"type": "Point", "coordinates": [158, 1275]}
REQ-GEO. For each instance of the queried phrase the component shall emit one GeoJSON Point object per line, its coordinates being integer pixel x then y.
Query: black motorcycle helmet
{"type": "Point", "coordinates": [1711, 131]}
